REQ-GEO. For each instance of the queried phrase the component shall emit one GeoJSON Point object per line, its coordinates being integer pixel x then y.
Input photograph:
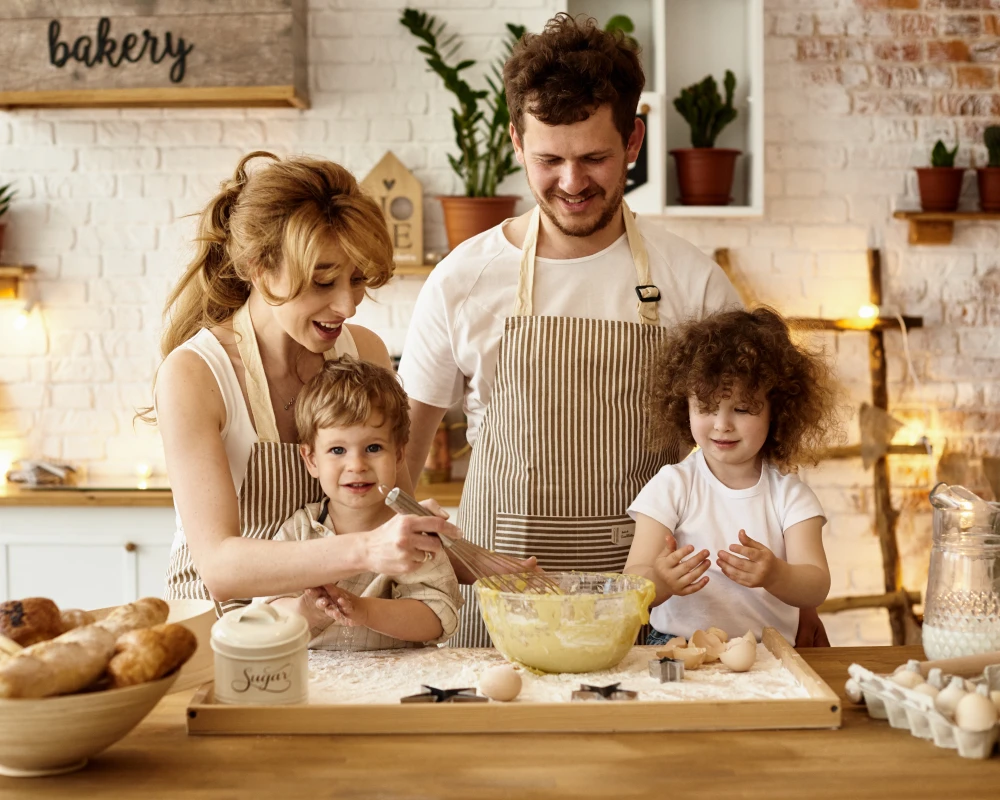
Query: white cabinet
{"type": "Point", "coordinates": [682, 42]}
{"type": "Point", "coordinates": [84, 557]}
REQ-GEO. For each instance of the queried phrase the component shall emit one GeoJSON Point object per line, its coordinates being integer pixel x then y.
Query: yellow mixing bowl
{"type": "Point", "coordinates": [589, 627]}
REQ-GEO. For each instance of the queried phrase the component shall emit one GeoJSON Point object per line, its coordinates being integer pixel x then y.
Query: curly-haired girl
{"type": "Point", "coordinates": [758, 406]}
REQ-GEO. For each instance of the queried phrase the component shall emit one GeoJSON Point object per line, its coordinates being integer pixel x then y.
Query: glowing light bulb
{"type": "Point", "coordinates": [21, 321]}
{"type": "Point", "coordinates": [868, 311]}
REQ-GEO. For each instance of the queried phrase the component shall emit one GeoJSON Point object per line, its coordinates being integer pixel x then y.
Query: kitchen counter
{"type": "Point", "coordinates": [864, 758]}
{"type": "Point", "coordinates": [14, 495]}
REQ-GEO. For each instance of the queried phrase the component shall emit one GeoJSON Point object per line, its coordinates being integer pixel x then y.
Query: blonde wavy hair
{"type": "Point", "coordinates": [348, 392]}
{"type": "Point", "coordinates": [278, 214]}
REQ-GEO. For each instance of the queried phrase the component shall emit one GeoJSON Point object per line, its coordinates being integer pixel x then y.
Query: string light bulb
{"type": "Point", "coordinates": [868, 311]}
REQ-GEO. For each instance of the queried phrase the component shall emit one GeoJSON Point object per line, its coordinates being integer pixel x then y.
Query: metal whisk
{"type": "Point", "coordinates": [495, 570]}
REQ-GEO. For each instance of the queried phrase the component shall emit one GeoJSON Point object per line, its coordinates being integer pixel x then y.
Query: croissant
{"type": "Point", "coordinates": [143, 613]}
{"type": "Point", "coordinates": [150, 653]}
{"type": "Point", "coordinates": [62, 665]}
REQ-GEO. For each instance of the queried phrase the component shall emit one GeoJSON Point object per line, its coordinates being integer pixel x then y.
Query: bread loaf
{"type": "Point", "coordinates": [149, 654]}
{"type": "Point", "coordinates": [29, 621]}
{"type": "Point", "coordinates": [75, 618]}
{"type": "Point", "coordinates": [143, 613]}
{"type": "Point", "coordinates": [62, 665]}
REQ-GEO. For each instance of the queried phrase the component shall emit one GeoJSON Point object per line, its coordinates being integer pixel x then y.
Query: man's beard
{"type": "Point", "coordinates": [610, 211]}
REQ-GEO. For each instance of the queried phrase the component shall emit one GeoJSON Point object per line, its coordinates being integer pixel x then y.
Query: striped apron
{"type": "Point", "coordinates": [561, 451]}
{"type": "Point", "coordinates": [276, 484]}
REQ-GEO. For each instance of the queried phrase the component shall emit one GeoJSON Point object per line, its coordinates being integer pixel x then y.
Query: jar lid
{"type": "Point", "coordinates": [258, 631]}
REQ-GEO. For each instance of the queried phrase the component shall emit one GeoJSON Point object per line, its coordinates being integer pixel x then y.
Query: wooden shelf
{"type": "Point", "coordinates": [938, 227]}
{"type": "Point", "coordinates": [161, 97]}
{"type": "Point", "coordinates": [854, 451]}
{"type": "Point", "coordinates": [11, 276]}
{"type": "Point", "coordinates": [854, 324]}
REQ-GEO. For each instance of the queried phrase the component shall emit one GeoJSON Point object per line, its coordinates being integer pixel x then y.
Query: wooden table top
{"type": "Point", "coordinates": [157, 495]}
{"type": "Point", "coordinates": [864, 758]}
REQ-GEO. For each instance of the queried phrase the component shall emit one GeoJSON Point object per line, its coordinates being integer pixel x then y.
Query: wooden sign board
{"type": "Point", "coordinates": [401, 198]}
{"type": "Point", "coordinates": [162, 53]}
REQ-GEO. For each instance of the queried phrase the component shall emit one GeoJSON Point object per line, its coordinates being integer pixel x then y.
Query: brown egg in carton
{"type": "Point", "coordinates": [47, 652]}
{"type": "Point", "coordinates": [951, 710]}
{"type": "Point", "coordinates": [709, 646]}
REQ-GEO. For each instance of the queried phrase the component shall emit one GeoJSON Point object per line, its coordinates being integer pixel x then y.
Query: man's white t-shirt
{"type": "Point", "coordinates": [702, 511]}
{"type": "Point", "coordinates": [454, 336]}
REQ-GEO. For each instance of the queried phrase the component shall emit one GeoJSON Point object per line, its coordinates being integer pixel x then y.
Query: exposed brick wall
{"type": "Point", "coordinates": [856, 94]}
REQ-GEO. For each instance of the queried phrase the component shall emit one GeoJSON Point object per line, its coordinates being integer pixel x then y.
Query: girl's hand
{"type": "Point", "coordinates": [342, 606]}
{"type": "Point", "coordinates": [757, 568]}
{"type": "Point", "coordinates": [681, 577]}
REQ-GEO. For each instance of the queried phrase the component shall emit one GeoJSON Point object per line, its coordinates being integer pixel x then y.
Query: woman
{"type": "Point", "coordinates": [285, 255]}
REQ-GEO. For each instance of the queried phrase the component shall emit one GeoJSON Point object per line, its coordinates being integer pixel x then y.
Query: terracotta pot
{"type": "Point", "coordinates": [988, 179]}
{"type": "Point", "coordinates": [465, 217]}
{"type": "Point", "coordinates": [705, 175]}
{"type": "Point", "coordinates": [940, 187]}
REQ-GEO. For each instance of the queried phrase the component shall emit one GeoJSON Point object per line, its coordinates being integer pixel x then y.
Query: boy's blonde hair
{"type": "Point", "coordinates": [349, 392]}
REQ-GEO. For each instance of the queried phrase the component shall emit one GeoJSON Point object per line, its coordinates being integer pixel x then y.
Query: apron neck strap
{"type": "Point", "coordinates": [253, 368]}
{"type": "Point", "coordinates": [649, 295]}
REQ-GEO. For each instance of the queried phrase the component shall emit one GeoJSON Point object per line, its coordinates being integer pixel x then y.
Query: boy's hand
{"type": "Point", "coordinates": [681, 577]}
{"type": "Point", "coordinates": [757, 568]}
{"type": "Point", "coordinates": [342, 606]}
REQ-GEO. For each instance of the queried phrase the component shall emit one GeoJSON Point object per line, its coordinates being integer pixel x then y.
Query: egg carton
{"type": "Point", "coordinates": [910, 710]}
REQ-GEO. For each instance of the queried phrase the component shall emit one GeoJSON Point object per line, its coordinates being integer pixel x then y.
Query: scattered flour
{"type": "Point", "coordinates": [338, 678]}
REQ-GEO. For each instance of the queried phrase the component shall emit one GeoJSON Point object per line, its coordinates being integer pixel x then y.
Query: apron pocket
{"type": "Point", "coordinates": [589, 544]}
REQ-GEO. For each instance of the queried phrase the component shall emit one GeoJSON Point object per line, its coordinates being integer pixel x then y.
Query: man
{"type": "Point", "coordinates": [545, 323]}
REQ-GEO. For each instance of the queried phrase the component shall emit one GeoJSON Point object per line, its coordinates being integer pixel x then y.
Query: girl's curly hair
{"type": "Point", "coordinates": [752, 353]}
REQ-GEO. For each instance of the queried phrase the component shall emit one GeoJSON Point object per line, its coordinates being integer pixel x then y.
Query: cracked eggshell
{"type": "Point", "coordinates": [677, 641]}
{"type": "Point", "coordinates": [709, 643]}
{"type": "Point", "coordinates": [740, 657]}
{"type": "Point", "coordinates": [501, 682]}
{"type": "Point", "coordinates": [693, 657]}
{"type": "Point", "coordinates": [719, 634]}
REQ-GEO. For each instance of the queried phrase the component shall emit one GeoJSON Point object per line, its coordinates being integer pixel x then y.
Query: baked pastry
{"type": "Point", "coordinates": [75, 618]}
{"type": "Point", "coordinates": [150, 653]}
{"type": "Point", "coordinates": [29, 621]}
{"type": "Point", "coordinates": [62, 665]}
{"type": "Point", "coordinates": [143, 613]}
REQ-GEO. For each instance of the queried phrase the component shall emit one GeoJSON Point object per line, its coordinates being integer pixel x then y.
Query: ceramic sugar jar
{"type": "Point", "coordinates": [261, 657]}
{"type": "Point", "coordinates": [962, 603]}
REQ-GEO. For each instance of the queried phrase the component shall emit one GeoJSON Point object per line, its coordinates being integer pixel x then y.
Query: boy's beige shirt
{"type": "Point", "coordinates": [434, 584]}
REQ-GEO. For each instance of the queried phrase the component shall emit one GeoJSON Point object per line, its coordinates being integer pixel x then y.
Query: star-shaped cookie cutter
{"type": "Point", "coordinates": [610, 692]}
{"type": "Point", "coordinates": [434, 695]}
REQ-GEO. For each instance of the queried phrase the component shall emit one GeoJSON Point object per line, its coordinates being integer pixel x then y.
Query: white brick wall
{"type": "Point", "coordinates": [105, 197]}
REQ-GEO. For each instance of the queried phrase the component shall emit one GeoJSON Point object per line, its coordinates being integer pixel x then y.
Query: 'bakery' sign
{"type": "Point", "coordinates": [153, 52]}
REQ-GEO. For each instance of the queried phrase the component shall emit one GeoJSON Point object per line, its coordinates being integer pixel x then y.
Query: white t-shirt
{"type": "Point", "coordinates": [702, 511]}
{"type": "Point", "coordinates": [454, 337]}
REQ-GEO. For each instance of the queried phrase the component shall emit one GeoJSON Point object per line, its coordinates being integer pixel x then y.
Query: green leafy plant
{"type": "Point", "coordinates": [702, 107]}
{"type": "Point", "coordinates": [623, 23]}
{"type": "Point", "coordinates": [941, 156]}
{"type": "Point", "coordinates": [485, 153]}
{"type": "Point", "coordinates": [991, 137]}
{"type": "Point", "coordinates": [7, 192]}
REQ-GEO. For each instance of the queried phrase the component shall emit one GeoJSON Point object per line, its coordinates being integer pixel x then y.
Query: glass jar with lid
{"type": "Point", "coordinates": [962, 602]}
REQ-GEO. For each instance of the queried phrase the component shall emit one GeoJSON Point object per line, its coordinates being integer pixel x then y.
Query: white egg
{"type": "Point", "coordinates": [853, 691]}
{"type": "Point", "coordinates": [501, 683]}
{"type": "Point", "coordinates": [975, 712]}
{"type": "Point", "coordinates": [927, 689]}
{"type": "Point", "coordinates": [995, 697]}
{"type": "Point", "coordinates": [949, 697]}
{"type": "Point", "coordinates": [908, 678]}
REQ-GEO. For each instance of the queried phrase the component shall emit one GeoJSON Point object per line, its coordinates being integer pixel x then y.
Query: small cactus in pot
{"type": "Point", "coordinates": [704, 171]}
{"type": "Point", "coordinates": [988, 177]}
{"type": "Point", "coordinates": [941, 183]}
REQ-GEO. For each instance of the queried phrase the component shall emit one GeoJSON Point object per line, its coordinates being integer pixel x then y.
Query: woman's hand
{"type": "Point", "coordinates": [757, 567]}
{"type": "Point", "coordinates": [679, 574]}
{"type": "Point", "coordinates": [402, 544]}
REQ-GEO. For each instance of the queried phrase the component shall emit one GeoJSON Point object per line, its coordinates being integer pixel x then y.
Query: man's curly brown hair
{"type": "Point", "coordinates": [750, 353]}
{"type": "Point", "coordinates": [571, 69]}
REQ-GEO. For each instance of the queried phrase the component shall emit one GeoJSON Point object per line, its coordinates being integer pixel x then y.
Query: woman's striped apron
{"type": "Point", "coordinates": [560, 454]}
{"type": "Point", "coordinates": [276, 485]}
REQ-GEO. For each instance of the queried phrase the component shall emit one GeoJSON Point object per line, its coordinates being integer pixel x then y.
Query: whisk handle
{"type": "Point", "coordinates": [403, 503]}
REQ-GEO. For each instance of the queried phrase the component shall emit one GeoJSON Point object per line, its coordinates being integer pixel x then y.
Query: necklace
{"type": "Point", "coordinates": [290, 403]}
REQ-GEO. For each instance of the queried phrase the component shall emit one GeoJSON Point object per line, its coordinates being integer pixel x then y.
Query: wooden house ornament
{"type": "Point", "coordinates": [401, 198]}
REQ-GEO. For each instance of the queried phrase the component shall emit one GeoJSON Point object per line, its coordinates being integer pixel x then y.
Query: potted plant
{"type": "Point", "coordinates": [988, 177]}
{"type": "Point", "coordinates": [704, 171]}
{"type": "Point", "coordinates": [7, 192]}
{"type": "Point", "coordinates": [485, 153]}
{"type": "Point", "coordinates": [940, 183]}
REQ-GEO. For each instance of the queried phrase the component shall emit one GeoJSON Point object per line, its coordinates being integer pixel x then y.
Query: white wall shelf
{"type": "Point", "coordinates": [682, 42]}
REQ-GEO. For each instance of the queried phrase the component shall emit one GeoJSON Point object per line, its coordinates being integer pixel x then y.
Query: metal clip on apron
{"type": "Point", "coordinates": [561, 451]}
{"type": "Point", "coordinates": [276, 485]}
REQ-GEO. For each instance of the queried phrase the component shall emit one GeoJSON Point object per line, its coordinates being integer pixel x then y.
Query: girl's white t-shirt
{"type": "Point", "coordinates": [454, 336]}
{"type": "Point", "coordinates": [702, 511]}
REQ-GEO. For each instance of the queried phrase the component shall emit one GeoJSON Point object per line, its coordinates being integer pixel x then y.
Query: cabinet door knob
{"type": "Point", "coordinates": [131, 547]}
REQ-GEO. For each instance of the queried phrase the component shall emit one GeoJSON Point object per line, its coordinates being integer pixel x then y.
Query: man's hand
{"type": "Point", "coordinates": [681, 577]}
{"type": "Point", "coordinates": [757, 568]}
